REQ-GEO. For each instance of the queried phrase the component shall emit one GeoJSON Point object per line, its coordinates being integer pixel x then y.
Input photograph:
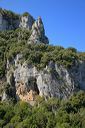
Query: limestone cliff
{"type": "Point", "coordinates": [8, 23]}
{"type": "Point", "coordinates": [52, 81]}
{"type": "Point", "coordinates": [38, 33]}
{"type": "Point", "coordinates": [26, 21]}
{"type": "Point", "coordinates": [11, 21]}
{"type": "Point", "coordinates": [30, 68]}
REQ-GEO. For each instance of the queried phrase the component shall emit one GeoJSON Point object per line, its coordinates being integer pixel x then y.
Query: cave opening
{"type": "Point", "coordinates": [32, 82]}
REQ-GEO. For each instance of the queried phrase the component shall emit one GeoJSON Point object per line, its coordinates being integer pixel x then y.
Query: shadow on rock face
{"type": "Point", "coordinates": [33, 85]}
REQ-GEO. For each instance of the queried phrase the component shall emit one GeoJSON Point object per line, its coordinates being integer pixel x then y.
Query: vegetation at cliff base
{"type": "Point", "coordinates": [54, 113]}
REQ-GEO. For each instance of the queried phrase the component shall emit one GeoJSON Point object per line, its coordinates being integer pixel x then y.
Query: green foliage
{"type": "Point", "coordinates": [13, 42]}
{"type": "Point", "coordinates": [53, 113]}
{"type": "Point", "coordinates": [81, 56]}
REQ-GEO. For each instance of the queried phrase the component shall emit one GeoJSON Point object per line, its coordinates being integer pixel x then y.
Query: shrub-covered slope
{"type": "Point", "coordinates": [15, 41]}
{"type": "Point", "coordinates": [53, 113]}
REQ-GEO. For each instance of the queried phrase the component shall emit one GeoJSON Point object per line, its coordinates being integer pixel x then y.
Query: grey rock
{"type": "Point", "coordinates": [4, 96]}
{"type": "Point", "coordinates": [52, 81]}
{"type": "Point", "coordinates": [7, 23]}
{"type": "Point", "coordinates": [26, 22]}
{"type": "Point", "coordinates": [38, 33]}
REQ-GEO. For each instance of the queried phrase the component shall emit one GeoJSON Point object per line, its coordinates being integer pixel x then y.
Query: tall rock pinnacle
{"type": "Point", "coordinates": [38, 32]}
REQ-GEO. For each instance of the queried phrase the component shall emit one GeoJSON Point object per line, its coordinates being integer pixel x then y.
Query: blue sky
{"type": "Point", "coordinates": [64, 20]}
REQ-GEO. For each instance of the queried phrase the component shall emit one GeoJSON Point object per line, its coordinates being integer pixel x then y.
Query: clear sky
{"type": "Point", "coordinates": [64, 20]}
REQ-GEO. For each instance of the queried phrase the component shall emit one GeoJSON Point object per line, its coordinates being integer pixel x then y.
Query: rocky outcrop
{"type": "Point", "coordinates": [38, 33]}
{"type": "Point", "coordinates": [26, 22]}
{"type": "Point", "coordinates": [11, 21]}
{"type": "Point", "coordinates": [8, 23]}
{"type": "Point", "coordinates": [52, 81]}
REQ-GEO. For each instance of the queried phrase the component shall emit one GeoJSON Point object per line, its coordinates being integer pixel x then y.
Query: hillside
{"type": "Point", "coordinates": [32, 71]}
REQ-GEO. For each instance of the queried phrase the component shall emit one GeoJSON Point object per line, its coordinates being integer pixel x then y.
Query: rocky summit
{"type": "Point", "coordinates": [29, 67]}
{"type": "Point", "coordinates": [11, 21]}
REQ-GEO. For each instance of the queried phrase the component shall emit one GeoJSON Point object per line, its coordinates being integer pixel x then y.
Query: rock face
{"type": "Point", "coordinates": [26, 22]}
{"type": "Point", "coordinates": [53, 81]}
{"type": "Point", "coordinates": [38, 33]}
{"type": "Point", "coordinates": [7, 23]}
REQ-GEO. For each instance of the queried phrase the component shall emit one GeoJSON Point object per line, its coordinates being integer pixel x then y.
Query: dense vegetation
{"type": "Point", "coordinates": [53, 113]}
{"type": "Point", "coordinates": [15, 41]}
